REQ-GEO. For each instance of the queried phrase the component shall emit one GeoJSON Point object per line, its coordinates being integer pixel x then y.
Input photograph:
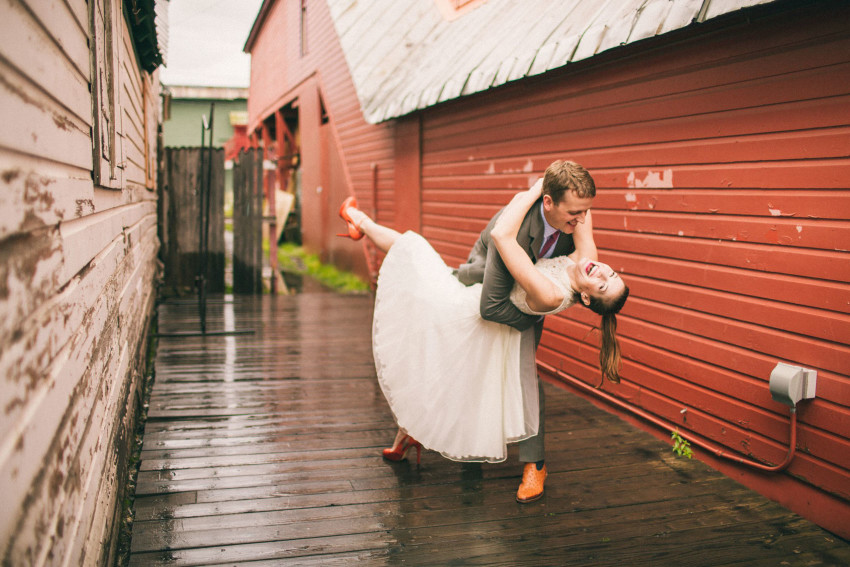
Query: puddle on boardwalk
{"type": "Point", "coordinates": [297, 283]}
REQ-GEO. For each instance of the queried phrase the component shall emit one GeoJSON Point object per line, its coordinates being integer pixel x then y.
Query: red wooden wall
{"type": "Point", "coordinates": [721, 159]}
{"type": "Point", "coordinates": [724, 198]}
{"type": "Point", "coordinates": [346, 155]}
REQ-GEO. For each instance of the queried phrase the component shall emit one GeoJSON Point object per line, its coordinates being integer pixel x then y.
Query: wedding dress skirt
{"type": "Point", "coordinates": [452, 379]}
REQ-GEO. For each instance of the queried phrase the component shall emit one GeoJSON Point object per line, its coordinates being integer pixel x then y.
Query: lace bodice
{"type": "Point", "coordinates": [556, 270]}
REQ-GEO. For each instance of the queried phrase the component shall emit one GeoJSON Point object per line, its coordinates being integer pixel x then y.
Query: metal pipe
{"type": "Point", "coordinates": [707, 445]}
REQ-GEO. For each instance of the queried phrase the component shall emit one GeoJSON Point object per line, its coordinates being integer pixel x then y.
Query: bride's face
{"type": "Point", "coordinates": [598, 280]}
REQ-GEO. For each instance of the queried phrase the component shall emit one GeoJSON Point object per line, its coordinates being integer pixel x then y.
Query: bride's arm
{"type": "Point", "coordinates": [542, 294]}
{"type": "Point", "coordinates": [583, 240]}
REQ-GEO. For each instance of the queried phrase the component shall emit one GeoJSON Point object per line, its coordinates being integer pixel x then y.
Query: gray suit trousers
{"type": "Point", "coordinates": [531, 450]}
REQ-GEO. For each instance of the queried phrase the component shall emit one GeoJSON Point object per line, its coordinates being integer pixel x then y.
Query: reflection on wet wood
{"type": "Point", "coordinates": [265, 448]}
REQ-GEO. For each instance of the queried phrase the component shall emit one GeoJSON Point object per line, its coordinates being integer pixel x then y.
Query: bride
{"type": "Point", "coordinates": [451, 378]}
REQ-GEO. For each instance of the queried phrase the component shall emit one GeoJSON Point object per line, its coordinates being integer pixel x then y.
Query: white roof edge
{"type": "Point", "coordinates": [550, 34]}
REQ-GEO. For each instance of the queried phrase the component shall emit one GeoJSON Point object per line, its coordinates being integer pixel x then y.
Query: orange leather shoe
{"type": "Point", "coordinates": [400, 451]}
{"type": "Point", "coordinates": [531, 488]}
{"type": "Point", "coordinates": [353, 232]}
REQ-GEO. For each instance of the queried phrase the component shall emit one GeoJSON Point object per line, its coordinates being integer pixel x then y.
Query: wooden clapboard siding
{"type": "Point", "coordinates": [77, 266]}
{"type": "Point", "coordinates": [361, 145]}
{"type": "Point", "coordinates": [342, 163]}
{"type": "Point", "coordinates": [722, 171]}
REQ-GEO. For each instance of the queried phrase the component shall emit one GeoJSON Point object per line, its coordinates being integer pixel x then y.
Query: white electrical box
{"type": "Point", "coordinates": [789, 384]}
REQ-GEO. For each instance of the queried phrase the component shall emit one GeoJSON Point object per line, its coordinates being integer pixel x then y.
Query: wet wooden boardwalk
{"type": "Point", "coordinates": [264, 449]}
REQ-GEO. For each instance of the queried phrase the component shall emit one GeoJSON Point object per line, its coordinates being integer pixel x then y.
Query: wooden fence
{"type": "Point", "coordinates": [185, 172]}
{"type": "Point", "coordinates": [248, 222]}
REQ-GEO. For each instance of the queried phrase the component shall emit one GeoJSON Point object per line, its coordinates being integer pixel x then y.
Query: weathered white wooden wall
{"type": "Point", "coordinates": [77, 272]}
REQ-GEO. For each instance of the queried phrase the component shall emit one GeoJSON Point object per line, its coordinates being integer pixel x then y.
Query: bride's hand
{"type": "Point", "coordinates": [507, 225]}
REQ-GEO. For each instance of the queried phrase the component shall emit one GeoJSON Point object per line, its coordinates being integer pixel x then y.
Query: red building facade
{"type": "Point", "coordinates": [721, 158]}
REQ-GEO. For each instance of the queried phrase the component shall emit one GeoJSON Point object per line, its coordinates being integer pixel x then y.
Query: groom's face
{"type": "Point", "coordinates": [567, 214]}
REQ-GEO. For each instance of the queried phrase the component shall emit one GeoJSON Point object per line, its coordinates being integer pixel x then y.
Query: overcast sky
{"type": "Point", "coordinates": [205, 42]}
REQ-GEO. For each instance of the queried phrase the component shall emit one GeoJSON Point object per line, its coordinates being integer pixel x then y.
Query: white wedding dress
{"type": "Point", "coordinates": [452, 379]}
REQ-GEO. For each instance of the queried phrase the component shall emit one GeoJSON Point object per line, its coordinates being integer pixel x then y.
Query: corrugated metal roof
{"type": "Point", "coordinates": [148, 32]}
{"type": "Point", "coordinates": [404, 56]}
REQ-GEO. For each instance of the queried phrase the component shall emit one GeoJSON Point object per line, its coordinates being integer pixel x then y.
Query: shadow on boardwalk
{"type": "Point", "coordinates": [264, 449]}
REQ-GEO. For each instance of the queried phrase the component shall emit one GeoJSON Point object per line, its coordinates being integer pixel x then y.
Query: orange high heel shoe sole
{"type": "Point", "coordinates": [354, 233]}
{"type": "Point", "coordinates": [399, 453]}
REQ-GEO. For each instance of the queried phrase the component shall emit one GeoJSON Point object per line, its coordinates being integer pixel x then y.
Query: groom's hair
{"type": "Point", "coordinates": [562, 176]}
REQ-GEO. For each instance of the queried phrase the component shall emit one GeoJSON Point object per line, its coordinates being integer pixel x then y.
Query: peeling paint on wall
{"type": "Point", "coordinates": [76, 291]}
{"type": "Point", "coordinates": [20, 259]}
{"type": "Point", "coordinates": [652, 180]}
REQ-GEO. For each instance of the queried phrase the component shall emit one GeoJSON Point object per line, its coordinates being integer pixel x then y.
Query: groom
{"type": "Point", "coordinates": [557, 225]}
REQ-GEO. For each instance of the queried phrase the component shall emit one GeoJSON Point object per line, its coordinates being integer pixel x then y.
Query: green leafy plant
{"type": "Point", "coordinates": [681, 446]}
{"type": "Point", "coordinates": [295, 259]}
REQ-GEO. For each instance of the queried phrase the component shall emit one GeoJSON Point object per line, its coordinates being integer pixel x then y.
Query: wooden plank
{"type": "Point", "coordinates": [63, 344]}
{"type": "Point", "coordinates": [85, 364]}
{"type": "Point", "coordinates": [37, 193]}
{"type": "Point", "coordinates": [277, 550]}
{"type": "Point", "coordinates": [182, 217]}
{"type": "Point", "coordinates": [307, 484]}
{"type": "Point", "coordinates": [709, 338]}
{"type": "Point", "coordinates": [247, 227]}
{"type": "Point", "coordinates": [798, 291]}
{"type": "Point", "coordinates": [66, 139]}
{"type": "Point", "coordinates": [802, 233]}
{"type": "Point", "coordinates": [38, 41]}
{"type": "Point", "coordinates": [834, 205]}
{"type": "Point", "coordinates": [825, 264]}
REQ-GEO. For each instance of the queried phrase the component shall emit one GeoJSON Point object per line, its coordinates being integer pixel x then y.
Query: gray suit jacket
{"type": "Point", "coordinates": [486, 266]}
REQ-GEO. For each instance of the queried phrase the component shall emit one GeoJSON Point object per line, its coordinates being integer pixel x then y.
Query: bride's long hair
{"type": "Point", "coordinates": [609, 351]}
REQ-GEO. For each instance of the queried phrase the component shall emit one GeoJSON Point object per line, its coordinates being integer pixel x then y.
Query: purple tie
{"type": "Point", "coordinates": [549, 243]}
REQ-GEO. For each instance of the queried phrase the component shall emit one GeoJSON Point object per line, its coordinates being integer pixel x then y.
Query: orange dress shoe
{"type": "Point", "coordinates": [400, 451]}
{"type": "Point", "coordinates": [354, 232]}
{"type": "Point", "coordinates": [531, 488]}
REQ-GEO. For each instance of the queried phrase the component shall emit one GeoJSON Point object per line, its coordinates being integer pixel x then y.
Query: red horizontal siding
{"type": "Point", "coordinates": [723, 178]}
{"type": "Point", "coordinates": [777, 203]}
{"type": "Point", "coordinates": [280, 75]}
{"type": "Point", "coordinates": [758, 257]}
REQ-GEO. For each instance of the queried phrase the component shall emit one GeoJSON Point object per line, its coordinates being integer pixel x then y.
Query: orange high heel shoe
{"type": "Point", "coordinates": [400, 451]}
{"type": "Point", "coordinates": [354, 233]}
